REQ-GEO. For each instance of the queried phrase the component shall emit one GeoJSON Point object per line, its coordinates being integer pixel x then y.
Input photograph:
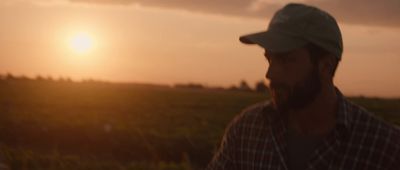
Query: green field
{"type": "Point", "coordinates": [70, 125]}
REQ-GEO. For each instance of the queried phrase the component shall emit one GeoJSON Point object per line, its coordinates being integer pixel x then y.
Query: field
{"type": "Point", "coordinates": [70, 125]}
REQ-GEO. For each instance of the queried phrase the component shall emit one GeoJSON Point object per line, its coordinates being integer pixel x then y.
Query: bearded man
{"type": "Point", "coordinates": [308, 124]}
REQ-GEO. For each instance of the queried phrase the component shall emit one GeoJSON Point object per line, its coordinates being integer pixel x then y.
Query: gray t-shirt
{"type": "Point", "coordinates": [300, 149]}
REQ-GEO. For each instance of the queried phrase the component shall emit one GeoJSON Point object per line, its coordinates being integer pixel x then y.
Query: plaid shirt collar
{"type": "Point", "coordinates": [343, 119]}
{"type": "Point", "coordinates": [257, 139]}
{"type": "Point", "coordinates": [279, 131]}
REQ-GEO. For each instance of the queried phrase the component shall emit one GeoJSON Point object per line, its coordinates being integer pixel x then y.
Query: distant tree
{"type": "Point", "coordinates": [64, 79]}
{"type": "Point", "coordinates": [218, 88]}
{"type": "Point", "coordinates": [244, 86]}
{"type": "Point", "coordinates": [23, 77]}
{"type": "Point", "coordinates": [261, 87]}
{"type": "Point", "coordinates": [39, 78]}
{"type": "Point", "coordinates": [61, 79]}
{"type": "Point", "coordinates": [190, 86]}
{"type": "Point", "coordinates": [68, 79]}
{"type": "Point", "coordinates": [233, 88]}
{"type": "Point", "coordinates": [49, 78]}
{"type": "Point", "coordinates": [9, 76]}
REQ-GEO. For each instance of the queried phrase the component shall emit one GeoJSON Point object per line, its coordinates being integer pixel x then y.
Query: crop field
{"type": "Point", "coordinates": [51, 125]}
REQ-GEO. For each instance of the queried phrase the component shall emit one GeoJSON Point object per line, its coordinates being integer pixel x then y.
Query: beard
{"type": "Point", "coordinates": [286, 97]}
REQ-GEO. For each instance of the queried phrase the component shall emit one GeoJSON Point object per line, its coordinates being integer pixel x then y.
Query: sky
{"type": "Point", "coordinates": [182, 41]}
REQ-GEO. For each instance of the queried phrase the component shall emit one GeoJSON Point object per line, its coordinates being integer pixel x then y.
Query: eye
{"type": "Point", "coordinates": [286, 59]}
{"type": "Point", "coordinates": [267, 57]}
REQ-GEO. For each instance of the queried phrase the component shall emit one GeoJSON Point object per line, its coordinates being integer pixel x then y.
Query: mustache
{"type": "Point", "coordinates": [278, 85]}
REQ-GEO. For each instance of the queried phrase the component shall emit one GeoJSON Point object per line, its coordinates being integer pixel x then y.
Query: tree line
{"type": "Point", "coordinates": [259, 86]}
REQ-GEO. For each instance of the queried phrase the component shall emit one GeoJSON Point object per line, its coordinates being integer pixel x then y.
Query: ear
{"type": "Point", "coordinates": [326, 66]}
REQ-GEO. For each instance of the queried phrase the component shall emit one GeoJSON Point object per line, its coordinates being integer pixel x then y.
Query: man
{"type": "Point", "coordinates": [308, 124]}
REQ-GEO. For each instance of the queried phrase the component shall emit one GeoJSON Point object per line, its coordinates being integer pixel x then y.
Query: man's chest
{"type": "Point", "coordinates": [262, 150]}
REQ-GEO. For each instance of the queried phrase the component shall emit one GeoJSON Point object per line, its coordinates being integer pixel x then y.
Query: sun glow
{"type": "Point", "coordinates": [81, 43]}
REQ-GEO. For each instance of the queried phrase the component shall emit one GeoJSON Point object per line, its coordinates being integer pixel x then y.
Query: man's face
{"type": "Point", "coordinates": [294, 79]}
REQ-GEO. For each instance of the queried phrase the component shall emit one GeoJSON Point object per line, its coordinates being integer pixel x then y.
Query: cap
{"type": "Point", "coordinates": [296, 25]}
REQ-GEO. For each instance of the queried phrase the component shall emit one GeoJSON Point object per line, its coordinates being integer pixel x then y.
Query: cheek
{"type": "Point", "coordinates": [299, 73]}
{"type": "Point", "coordinates": [289, 74]}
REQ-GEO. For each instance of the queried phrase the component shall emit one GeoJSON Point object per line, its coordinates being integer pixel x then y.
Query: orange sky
{"type": "Point", "coordinates": [157, 44]}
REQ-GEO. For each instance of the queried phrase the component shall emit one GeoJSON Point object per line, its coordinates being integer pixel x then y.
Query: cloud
{"type": "Point", "coordinates": [363, 12]}
{"type": "Point", "coordinates": [36, 2]}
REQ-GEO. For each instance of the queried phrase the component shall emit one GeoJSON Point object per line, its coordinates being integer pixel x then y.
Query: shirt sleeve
{"type": "Point", "coordinates": [224, 158]}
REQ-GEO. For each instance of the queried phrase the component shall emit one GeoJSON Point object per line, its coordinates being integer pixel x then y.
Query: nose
{"type": "Point", "coordinates": [271, 72]}
{"type": "Point", "coordinates": [268, 74]}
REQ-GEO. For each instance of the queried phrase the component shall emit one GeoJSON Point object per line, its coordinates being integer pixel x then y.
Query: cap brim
{"type": "Point", "coordinates": [273, 41]}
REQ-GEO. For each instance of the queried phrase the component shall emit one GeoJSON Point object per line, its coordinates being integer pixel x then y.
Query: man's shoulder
{"type": "Point", "coordinates": [364, 122]}
{"type": "Point", "coordinates": [257, 108]}
{"type": "Point", "coordinates": [369, 134]}
{"type": "Point", "coordinates": [254, 114]}
{"type": "Point", "coordinates": [362, 116]}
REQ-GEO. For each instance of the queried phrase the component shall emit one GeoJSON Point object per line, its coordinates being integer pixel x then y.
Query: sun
{"type": "Point", "coordinates": [81, 43]}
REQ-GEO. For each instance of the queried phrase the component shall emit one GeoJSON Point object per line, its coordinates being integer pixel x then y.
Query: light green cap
{"type": "Point", "coordinates": [296, 25]}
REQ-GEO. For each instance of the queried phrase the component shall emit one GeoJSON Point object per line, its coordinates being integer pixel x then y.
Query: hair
{"type": "Point", "coordinates": [317, 53]}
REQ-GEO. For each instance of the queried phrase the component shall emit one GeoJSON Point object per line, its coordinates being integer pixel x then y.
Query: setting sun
{"type": "Point", "coordinates": [81, 43]}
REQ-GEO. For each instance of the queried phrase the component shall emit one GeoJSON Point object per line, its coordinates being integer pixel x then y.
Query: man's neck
{"type": "Point", "coordinates": [318, 118]}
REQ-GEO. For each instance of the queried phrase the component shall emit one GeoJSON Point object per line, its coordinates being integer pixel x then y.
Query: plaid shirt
{"type": "Point", "coordinates": [256, 140]}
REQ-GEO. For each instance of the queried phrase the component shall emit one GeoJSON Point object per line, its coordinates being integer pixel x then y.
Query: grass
{"type": "Point", "coordinates": [67, 125]}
